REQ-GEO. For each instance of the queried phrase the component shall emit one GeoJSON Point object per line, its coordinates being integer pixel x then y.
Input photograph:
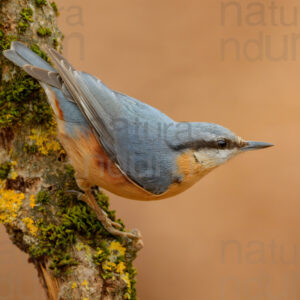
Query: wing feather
{"type": "Point", "coordinates": [146, 160]}
{"type": "Point", "coordinates": [82, 97]}
{"type": "Point", "coordinates": [49, 77]}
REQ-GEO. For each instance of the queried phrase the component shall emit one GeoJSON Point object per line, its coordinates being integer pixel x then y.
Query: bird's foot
{"type": "Point", "coordinates": [81, 196]}
{"type": "Point", "coordinates": [109, 225]}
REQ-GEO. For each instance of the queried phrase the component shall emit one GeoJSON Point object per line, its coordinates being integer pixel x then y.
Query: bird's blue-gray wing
{"type": "Point", "coordinates": [134, 135]}
{"type": "Point", "coordinates": [139, 135]}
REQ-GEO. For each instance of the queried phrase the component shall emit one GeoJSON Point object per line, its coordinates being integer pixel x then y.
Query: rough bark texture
{"type": "Point", "coordinates": [74, 256]}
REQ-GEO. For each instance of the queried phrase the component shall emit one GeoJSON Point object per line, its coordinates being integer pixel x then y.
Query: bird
{"type": "Point", "coordinates": [121, 144]}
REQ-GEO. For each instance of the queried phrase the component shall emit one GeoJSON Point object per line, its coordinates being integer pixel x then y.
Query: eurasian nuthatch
{"type": "Point", "coordinates": [121, 144]}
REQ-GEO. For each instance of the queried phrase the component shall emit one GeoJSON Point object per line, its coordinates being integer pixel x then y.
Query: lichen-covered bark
{"type": "Point", "coordinates": [73, 254]}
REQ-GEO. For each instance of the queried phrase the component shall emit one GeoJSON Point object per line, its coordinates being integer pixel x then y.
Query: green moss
{"type": "Point", "coordinates": [22, 102]}
{"type": "Point", "coordinates": [62, 263]}
{"type": "Point", "coordinates": [132, 277]}
{"type": "Point", "coordinates": [31, 149]}
{"type": "Point", "coordinates": [4, 170]}
{"type": "Point", "coordinates": [26, 18]}
{"type": "Point", "coordinates": [36, 49]}
{"type": "Point", "coordinates": [22, 26]}
{"type": "Point", "coordinates": [26, 14]}
{"type": "Point", "coordinates": [54, 7]}
{"type": "Point", "coordinates": [56, 236]}
{"type": "Point", "coordinates": [44, 31]}
{"type": "Point", "coordinates": [5, 40]}
{"type": "Point", "coordinates": [77, 216]}
{"type": "Point", "coordinates": [103, 202]}
{"type": "Point", "coordinates": [55, 43]}
{"type": "Point", "coordinates": [102, 254]}
{"type": "Point", "coordinates": [72, 220]}
{"type": "Point", "coordinates": [54, 241]}
{"type": "Point", "coordinates": [40, 3]}
{"type": "Point", "coordinates": [69, 170]}
{"type": "Point", "coordinates": [43, 197]}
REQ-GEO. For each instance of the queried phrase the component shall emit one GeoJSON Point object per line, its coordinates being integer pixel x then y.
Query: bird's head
{"type": "Point", "coordinates": [213, 145]}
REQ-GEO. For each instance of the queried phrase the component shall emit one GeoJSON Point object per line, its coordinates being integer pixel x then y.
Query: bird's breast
{"type": "Point", "coordinates": [190, 170]}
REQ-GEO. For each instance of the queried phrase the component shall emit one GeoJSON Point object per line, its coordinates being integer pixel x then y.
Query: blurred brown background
{"type": "Point", "coordinates": [236, 234]}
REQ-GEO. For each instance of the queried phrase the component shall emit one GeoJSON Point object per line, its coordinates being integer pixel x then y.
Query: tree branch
{"type": "Point", "coordinates": [74, 256]}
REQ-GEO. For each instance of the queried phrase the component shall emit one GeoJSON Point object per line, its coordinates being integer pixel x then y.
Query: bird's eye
{"type": "Point", "coordinates": [222, 144]}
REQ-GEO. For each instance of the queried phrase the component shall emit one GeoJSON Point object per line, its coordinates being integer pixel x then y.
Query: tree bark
{"type": "Point", "coordinates": [73, 254]}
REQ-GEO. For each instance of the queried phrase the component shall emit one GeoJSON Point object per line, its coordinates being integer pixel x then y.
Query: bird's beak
{"type": "Point", "coordinates": [251, 145]}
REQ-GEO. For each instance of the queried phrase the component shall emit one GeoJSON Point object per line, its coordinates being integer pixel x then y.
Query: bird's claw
{"type": "Point", "coordinates": [116, 224]}
{"type": "Point", "coordinates": [111, 226]}
{"type": "Point", "coordinates": [138, 241]}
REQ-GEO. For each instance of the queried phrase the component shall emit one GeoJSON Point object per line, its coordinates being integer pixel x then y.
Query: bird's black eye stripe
{"type": "Point", "coordinates": [222, 144]}
{"type": "Point", "coordinates": [201, 144]}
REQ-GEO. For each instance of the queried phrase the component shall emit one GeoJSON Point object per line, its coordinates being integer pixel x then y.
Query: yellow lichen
{"type": "Point", "coordinates": [80, 246]}
{"type": "Point", "coordinates": [126, 278]}
{"type": "Point", "coordinates": [108, 266]}
{"type": "Point", "coordinates": [116, 246]}
{"type": "Point", "coordinates": [30, 225]}
{"type": "Point", "coordinates": [13, 163]}
{"type": "Point", "coordinates": [13, 175]}
{"type": "Point", "coordinates": [74, 285]}
{"type": "Point", "coordinates": [120, 268]}
{"type": "Point", "coordinates": [32, 201]}
{"type": "Point", "coordinates": [45, 141]}
{"type": "Point", "coordinates": [10, 203]}
{"type": "Point", "coordinates": [53, 122]}
{"type": "Point", "coordinates": [85, 283]}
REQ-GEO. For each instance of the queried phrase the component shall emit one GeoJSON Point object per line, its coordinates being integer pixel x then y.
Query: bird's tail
{"type": "Point", "coordinates": [32, 64]}
{"type": "Point", "coordinates": [58, 96]}
{"type": "Point", "coordinates": [20, 55]}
